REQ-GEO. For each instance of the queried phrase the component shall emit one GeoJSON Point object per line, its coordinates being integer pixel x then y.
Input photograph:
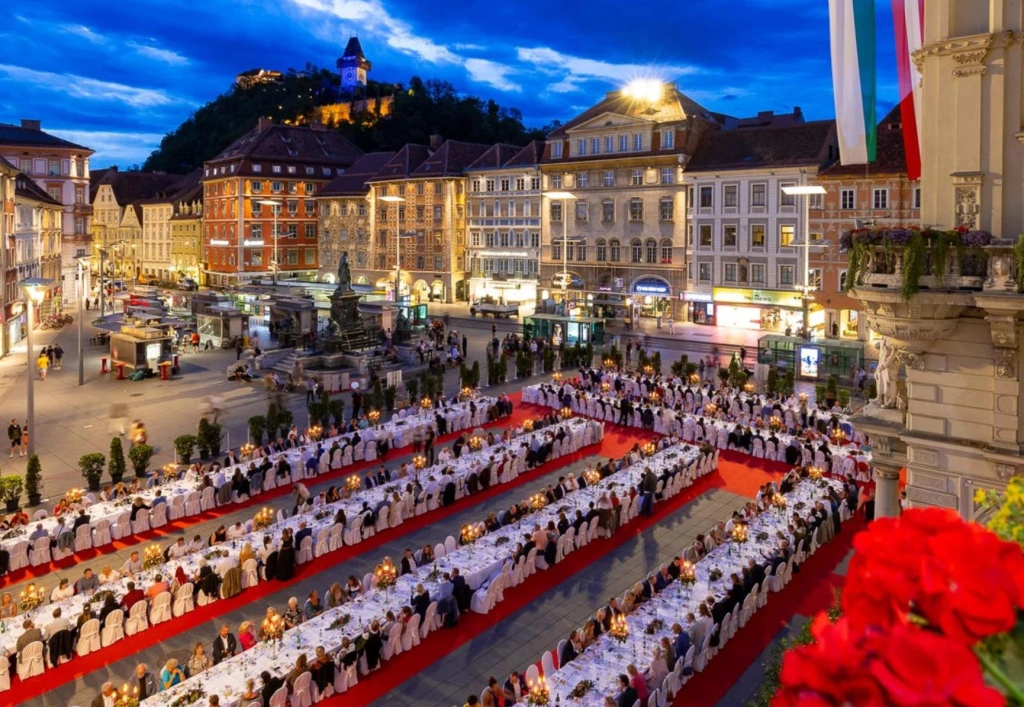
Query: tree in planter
{"type": "Point", "coordinates": [184, 445]}
{"type": "Point", "coordinates": [678, 368]}
{"type": "Point", "coordinates": [273, 420]}
{"type": "Point", "coordinates": [773, 381]}
{"type": "Point", "coordinates": [140, 456]}
{"type": "Point", "coordinates": [116, 465]}
{"type": "Point", "coordinates": [691, 370]}
{"type": "Point", "coordinates": [819, 393]}
{"type": "Point", "coordinates": [412, 387]}
{"type": "Point", "coordinates": [10, 490]}
{"type": "Point", "coordinates": [34, 480]}
{"type": "Point", "coordinates": [476, 374]}
{"type": "Point", "coordinates": [524, 364]}
{"type": "Point", "coordinates": [503, 368]}
{"type": "Point", "coordinates": [831, 386]}
{"type": "Point", "coordinates": [737, 377]}
{"type": "Point", "coordinates": [285, 420]}
{"type": "Point", "coordinates": [723, 375]}
{"type": "Point", "coordinates": [390, 393]}
{"type": "Point", "coordinates": [844, 398]}
{"type": "Point", "coordinates": [257, 426]}
{"type": "Point", "coordinates": [549, 359]}
{"type": "Point", "coordinates": [334, 409]}
{"type": "Point", "coordinates": [92, 467]}
{"type": "Point", "coordinates": [205, 437]}
{"type": "Point", "coordinates": [790, 382]}
{"type": "Point", "coordinates": [656, 362]}
{"type": "Point", "coordinates": [615, 356]}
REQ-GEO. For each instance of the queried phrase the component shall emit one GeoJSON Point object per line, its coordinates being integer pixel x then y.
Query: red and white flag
{"type": "Point", "coordinates": [908, 18]}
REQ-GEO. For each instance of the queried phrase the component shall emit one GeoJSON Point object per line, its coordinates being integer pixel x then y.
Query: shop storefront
{"type": "Point", "coordinates": [700, 308]}
{"type": "Point", "coordinates": [652, 296]}
{"type": "Point", "coordinates": [763, 310]}
{"type": "Point", "coordinates": [511, 290]}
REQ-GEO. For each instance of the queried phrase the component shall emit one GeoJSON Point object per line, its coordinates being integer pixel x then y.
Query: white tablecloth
{"type": "Point", "coordinates": [603, 662]}
{"type": "Point", "coordinates": [317, 519]}
{"type": "Point", "coordinates": [484, 556]}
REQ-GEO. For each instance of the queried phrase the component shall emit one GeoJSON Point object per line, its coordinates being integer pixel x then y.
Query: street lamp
{"type": "Point", "coordinates": [565, 197]}
{"type": "Point", "coordinates": [35, 290]}
{"type": "Point", "coordinates": [806, 191]}
{"type": "Point", "coordinates": [387, 199]}
{"type": "Point", "coordinates": [81, 260]}
{"type": "Point", "coordinates": [276, 206]}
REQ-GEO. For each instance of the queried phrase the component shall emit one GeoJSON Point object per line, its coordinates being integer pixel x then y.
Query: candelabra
{"type": "Point", "coordinates": [739, 533]}
{"type": "Point", "coordinates": [605, 387]}
{"type": "Point", "coordinates": [528, 425]}
{"type": "Point", "coordinates": [649, 449]}
{"type": "Point", "coordinates": [710, 409]}
{"type": "Point", "coordinates": [126, 697]}
{"type": "Point", "coordinates": [246, 450]}
{"type": "Point", "coordinates": [374, 416]}
{"type": "Point", "coordinates": [649, 370]}
{"type": "Point", "coordinates": [556, 377]}
{"type": "Point", "coordinates": [802, 398]}
{"type": "Point", "coordinates": [470, 533]}
{"type": "Point", "coordinates": [314, 432]}
{"type": "Point", "coordinates": [386, 574]}
{"type": "Point", "coordinates": [420, 462]}
{"type": "Point", "coordinates": [779, 501]}
{"type": "Point", "coordinates": [694, 379]}
{"type": "Point", "coordinates": [153, 557]}
{"type": "Point", "coordinates": [30, 598]}
{"type": "Point", "coordinates": [537, 501]}
{"type": "Point", "coordinates": [272, 628]}
{"type": "Point", "coordinates": [814, 473]}
{"type": "Point", "coordinates": [426, 403]}
{"type": "Point", "coordinates": [475, 443]}
{"type": "Point", "coordinates": [264, 518]}
{"type": "Point", "coordinates": [654, 398]}
{"type": "Point", "coordinates": [609, 363]}
{"type": "Point", "coordinates": [538, 694]}
{"type": "Point", "coordinates": [592, 476]}
{"type": "Point", "coordinates": [566, 413]}
{"type": "Point", "coordinates": [619, 629]}
{"type": "Point", "coordinates": [687, 573]}
{"type": "Point", "coordinates": [467, 392]}
{"type": "Point", "coordinates": [73, 496]}
{"type": "Point", "coordinates": [750, 388]}
{"type": "Point", "coordinates": [352, 483]}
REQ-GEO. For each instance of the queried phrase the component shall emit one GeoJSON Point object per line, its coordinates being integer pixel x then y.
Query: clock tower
{"type": "Point", "coordinates": [353, 66]}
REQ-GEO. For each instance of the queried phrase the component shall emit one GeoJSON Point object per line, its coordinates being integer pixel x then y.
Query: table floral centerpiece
{"type": "Point", "coordinates": [386, 574]}
{"type": "Point", "coordinates": [272, 628]}
{"type": "Point", "coordinates": [263, 519]}
{"type": "Point", "coordinates": [538, 695]}
{"type": "Point", "coordinates": [581, 689]}
{"type": "Point", "coordinates": [152, 557]}
{"type": "Point", "coordinates": [30, 598]}
{"type": "Point", "coordinates": [619, 629]}
{"type": "Point", "coordinates": [687, 573]}
{"type": "Point", "coordinates": [126, 696]}
{"type": "Point", "coordinates": [189, 697]}
{"type": "Point", "coordinates": [470, 533]}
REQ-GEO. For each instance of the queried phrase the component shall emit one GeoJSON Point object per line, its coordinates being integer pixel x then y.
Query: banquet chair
{"type": "Point", "coordinates": [177, 507]}
{"type": "Point", "coordinates": [393, 646]}
{"type": "Point", "coordinates": [161, 609]}
{"type": "Point", "coordinates": [547, 664]}
{"type": "Point", "coordinates": [395, 514]}
{"type": "Point", "coordinates": [777, 578]}
{"type": "Point", "coordinates": [429, 620]}
{"type": "Point", "coordinates": [113, 628]}
{"type": "Point", "coordinates": [207, 499]}
{"type": "Point", "coordinates": [280, 698]}
{"type": "Point", "coordinates": [302, 692]}
{"type": "Point", "coordinates": [762, 594]}
{"type": "Point", "coordinates": [748, 607]}
{"type": "Point", "coordinates": [136, 619]}
{"type": "Point", "coordinates": [322, 546]}
{"type": "Point", "coordinates": [345, 678]}
{"type": "Point", "coordinates": [122, 526]}
{"type": "Point", "coordinates": [346, 456]}
{"type": "Point", "coordinates": [582, 535]}
{"type": "Point", "coordinates": [532, 675]}
{"type": "Point", "coordinates": [250, 574]}
{"type": "Point", "coordinates": [382, 522]}
{"type": "Point", "coordinates": [368, 581]}
{"type": "Point", "coordinates": [353, 534]}
{"type": "Point", "coordinates": [5, 675]}
{"type": "Point", "coordinates": [305, 553]}
{"type": "Point", "coordinates": [370, 454]}
{"type": "Point", "coordinates": [40, 553]}
{"type": "Point", "coordinates": [40, 514]}
{"type": "Point", "coordinates": [141, 523]}
{"type": "Point", "coordinates": [483, 599]}
{"type": "Point", "coordinates": [560, 651]}
{"type": "Point", "coordinates": [411, 636]}
{"type": "Point", "coordinates": [183, 597]}
{"type": "Point", "coordinates": [30, 660]}
{"type": "Point", "coordinates": [686, 663]}
{"type": "Point", "coordinates": [734, 623]}
{"type": "Point", "coordinates": [450, 545]}
{"type": "Point", "coordinates": [159, 516]}
{"type": "Point", "coordinates": [517, 573]}
{"type": "Point", "coordinates": [83, 538]}
{"type": "Point", "coordinates": [700, 660]}
{"type": "Point", "coordinates": [531, 563]}
{"type": "Point", "coordinates": [19, 555]}
{"type": "Point", "coordinates": [88, 639]}
{"type": "Point", "coordinates": [594, 528]}
{"type": "Point", "coordinates": [440, 550]}
{"type": "Point", "coordinates": [193, 504]}
{"type": "Point", "coordinates": [652, 700]}
{"type": "Point", "coordinates": [570, 540]}
{"type": "Point", "coordinates": [360, 451]}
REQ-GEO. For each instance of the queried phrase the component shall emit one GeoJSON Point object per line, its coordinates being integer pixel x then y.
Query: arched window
{"type": "Point", "coordinates": [666, 251]}
{"type": "Point", "coordinates": [652, 250]}
{"type": "Point", "coordinates": [602, 250]}
{"type": "Point", "coordinates": [636, 250]}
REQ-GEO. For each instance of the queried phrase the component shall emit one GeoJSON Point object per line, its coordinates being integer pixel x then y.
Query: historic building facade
{"type": "Point", "coordinates": [624, 232]}
{"type": "Point", "coordinates": [345, 212]}
{"type": "Point", "coordinates": [743, 257]}
{"type": "Point", "coordinates": [61, 169]}
{"type": "Point", "coordinates": [187, 232]}
{"type": "Point", "coordinates": [272, 169]}
{"type": "Point", "coordinates": [504, 223]}
{"type": "Point", "coordinates": [879, 195]}
{"type": "Point", "coordinates": [430, 216]}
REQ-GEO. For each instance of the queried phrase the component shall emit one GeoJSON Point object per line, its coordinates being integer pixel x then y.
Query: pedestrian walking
{"type": "Point", "coordinates": [14, 434]}
{"type": "Point", "coordinates": [118, 414]}
{"type": "Point", "coordinates": [43, 364]}
{"type": "Point", "coordinates": [310, 387]}
{"type": "Point", "coordinates": [48, 350]}
{"type": "Point", "coordinates": [465, 345]}
{"type": "Point", "coordinates": [58, 355]}
{"type": "Point", "coordinates": [238, 349]}
{"type": "Point", "coordinates": [24, 439]}
{"type": "Point", "coordinates": [671, 325]}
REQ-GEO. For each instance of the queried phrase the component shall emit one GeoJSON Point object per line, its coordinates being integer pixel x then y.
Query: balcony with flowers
{"type": "Point", "coordinates": [910, 259]}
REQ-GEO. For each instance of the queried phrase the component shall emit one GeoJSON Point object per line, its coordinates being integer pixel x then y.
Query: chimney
{"type": "Point", "coordinates": [435, 142]}
{"type": "Point", "coordinates": [31, 124]}
{"type": "Point", "coordinates": [797, 111]}
{"type": "Point", "coordinates": [264, 124]}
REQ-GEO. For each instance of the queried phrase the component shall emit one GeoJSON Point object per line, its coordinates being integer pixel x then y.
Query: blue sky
{"type": "Point", "coordinates": [117, 76]}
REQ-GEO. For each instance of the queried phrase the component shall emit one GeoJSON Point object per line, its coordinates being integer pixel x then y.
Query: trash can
{"type": "Point", "coordinates": [659, 321]}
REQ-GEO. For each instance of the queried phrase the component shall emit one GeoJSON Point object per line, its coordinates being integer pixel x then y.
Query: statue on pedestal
{"type": "Point", "coordinates": [344, 274]}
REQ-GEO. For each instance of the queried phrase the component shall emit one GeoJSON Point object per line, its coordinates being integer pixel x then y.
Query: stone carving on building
{"type": "Point", "coordinates": [967, 207]}
{"type": "Point", "coordinates": [1005, 472]}
{"type": "Point", "coordinates": [970, 63]}
{"type": "Point", "coordinates": [1005, 360]}
{"type": "Point", "coordinates": [1004, 339]}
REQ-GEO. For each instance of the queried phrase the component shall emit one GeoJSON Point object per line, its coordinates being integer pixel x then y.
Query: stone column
{"type": "Point", "coordinates": [887, 491]}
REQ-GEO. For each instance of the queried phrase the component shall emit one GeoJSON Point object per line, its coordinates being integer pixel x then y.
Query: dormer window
{"type": "Point", "coordinates": [276, 169]}
{"type": "Point", "coordinates": [257, 168]}
{"type": "Point", "coordinates": [556, 150]}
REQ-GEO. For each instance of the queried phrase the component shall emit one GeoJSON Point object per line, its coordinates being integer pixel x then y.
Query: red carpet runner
{"type": "Point", "coordinates": [615, 443]}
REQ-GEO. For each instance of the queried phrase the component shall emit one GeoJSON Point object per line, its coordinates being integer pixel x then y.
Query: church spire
{"type": "Point", "coordinates": [353, 65]}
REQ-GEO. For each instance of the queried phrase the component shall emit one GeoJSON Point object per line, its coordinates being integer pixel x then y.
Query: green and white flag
{"type": "Point", "coordinates": [852, 29]}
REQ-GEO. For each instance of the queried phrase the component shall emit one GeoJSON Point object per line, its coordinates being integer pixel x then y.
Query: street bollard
{"type": "Point", "coordinates": [120, 371]}
{"type": "Point", "coordinates": [103, 360]}
{"type": "Point", "coordinates": [165, 370]}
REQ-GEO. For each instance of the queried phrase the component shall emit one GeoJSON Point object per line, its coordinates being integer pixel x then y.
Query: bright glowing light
{"type": "Point", "coordinates": [648, 90]}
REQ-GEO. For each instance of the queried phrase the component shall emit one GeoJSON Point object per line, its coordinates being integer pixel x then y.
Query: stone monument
{"type": "Point", "coordinates": [950, 406]}
{"type": "Point", "coordinates": [348, 332]}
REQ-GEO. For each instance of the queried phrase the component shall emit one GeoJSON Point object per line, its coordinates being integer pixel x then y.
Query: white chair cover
{"type": "Point", "coordinates": [183, 600]}
{"type": "Point", "coordinates": [136, 619]}
{"type": "Point", "coordinates": [113, 627]}
{"type": "Point", "coordinates": [89, 638]}
{"type": "Point", "coordinates": [161, 609]}
{"type": "Point", "coordinates": [30, 660]}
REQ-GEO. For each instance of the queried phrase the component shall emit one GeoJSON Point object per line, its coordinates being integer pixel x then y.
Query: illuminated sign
{"type": "Point", "coordinates": [249, 243]}
{"type": "Point", "coordinates": [778, 298]}
{"type": "Point", "coordinates": [218, 241]}
{"type": "Point", "coordinates": [697, 297]}
{"type": "Point", "coordinates": [503, 254]}
{"type": "Point", "coordinates": [651, 286]}
{"type": "Point", "coordinates": [809, 357]}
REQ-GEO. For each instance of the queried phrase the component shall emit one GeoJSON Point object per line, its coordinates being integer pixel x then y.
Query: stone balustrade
{"type": "Point", "coordinates": [988, 268]}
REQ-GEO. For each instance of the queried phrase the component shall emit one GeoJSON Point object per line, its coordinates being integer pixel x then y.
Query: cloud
{"type": "Point", "coordinates": [575, 70]}
{"type": "Point", "coordinates": [167, 56]}
{"type": "Point", "coordinates": [492, 73]}
{"type": "Point", "coordinates": [113, 147]}
{"type": "Point", "coordinates": [88, 89]}
{"type": "Point", "coordinates": [373, 16]}
{"type": "Point", "coordinates": [84, 32]}
{"type": "Point", "coordinates": [468, 47]}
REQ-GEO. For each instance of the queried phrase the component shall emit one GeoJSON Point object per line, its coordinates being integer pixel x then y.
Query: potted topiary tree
{"type": "Point", "coordinates": [216, 437]}
{"type": "Point", "coordinates": [389, 397]}
{"type": "Point", "coordinates": [115, 464]}
{"type": "Point", "coordinates": [284, 422]}
{"type": "Point", "coordinates": [831, 386]}
{"type": "Point", "coordinates": [204, 437]}
{"type": "Point", "coordinates": [257, 426]}
{"type": "Point", "coordinates": [819, 393]}
{"type": "Point", "coordinates": [140, 455]}
{"type": "Point", "coordinates": [92, 469]}
{"type": "Point", "coordinates": [184, 445]}
{"type": "Point", "coordinates": [34, 480]}
{"type": "Point", "coordinates": [412, 387]}
{"type": "Point", "coordinates": [844, 398]}
{"type": "Point", "coordinates": [10, 489]}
